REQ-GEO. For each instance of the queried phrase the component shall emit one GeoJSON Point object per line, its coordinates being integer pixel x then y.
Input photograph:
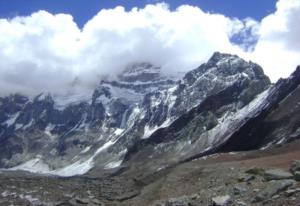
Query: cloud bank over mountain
{"type": "Point", "coordinates": [46, 52]}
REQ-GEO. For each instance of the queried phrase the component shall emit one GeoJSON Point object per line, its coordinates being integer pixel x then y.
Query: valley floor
{"type": "Point", "coordinates": [235, 175]}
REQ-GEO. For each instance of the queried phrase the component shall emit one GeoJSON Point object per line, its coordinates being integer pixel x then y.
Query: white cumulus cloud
{"type": "Point", "coordinates": [46, 52]}
{"type": "Point", "coordinates": [278, 47]}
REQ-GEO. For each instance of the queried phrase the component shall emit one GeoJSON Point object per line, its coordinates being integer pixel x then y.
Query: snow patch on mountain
{"type": "Point", "coordinates": [11, 119]}
{"type": "Point", "coordinates": [112, 165]}
{"type": "Point", "coordinates": [35, 165]}
{"type": "Point", "coordinates": [230, 122]}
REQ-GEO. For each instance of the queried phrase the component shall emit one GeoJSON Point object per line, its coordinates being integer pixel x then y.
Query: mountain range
{"type": "Point", "coordinates": [145, 120]}
{"type": "Point", "coordinates": [143, 113]}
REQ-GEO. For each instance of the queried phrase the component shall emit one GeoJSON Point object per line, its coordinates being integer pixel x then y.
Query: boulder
{"type": "Point", "coordinates": [277, 174]}
{"type": "Point", "coordinates": [290, 192]}
{"type": "Point", "coordinates": [295, 166]}
{"type": "Point", "coordinates": [179, 201]}
{"type": "Point", "coordinates": [256, 190]}
{"type": "Point", "coordinates": [255, 171]}
{"type": "Point", "coordinates": [237, 190]}
{"type": "Point", "coordinates": [297, 175]}
{"type": "Point", "coordinates": [246, 178]}
{"type": "Point", "coordinates": [194, 196]}
{"type": "Point", "coordinates": [72, 202]}
{"type": "Point", "coordinates": [221, 200]}
{"type": "Point", "coordinates": [82, 200]}
{"type": "Point", "coordinates": [241, 203]}
{"type": "Point", "coordinates": [273, 188]}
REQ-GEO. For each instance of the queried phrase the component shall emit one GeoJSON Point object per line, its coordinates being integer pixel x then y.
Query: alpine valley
{"type": "Point", "coordinates": [221, 134]}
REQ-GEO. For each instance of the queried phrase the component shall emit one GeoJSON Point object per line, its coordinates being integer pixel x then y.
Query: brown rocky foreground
{"type": "Point", "coordinates": [244, 178]}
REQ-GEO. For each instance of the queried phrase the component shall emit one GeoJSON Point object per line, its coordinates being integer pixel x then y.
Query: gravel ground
{"type": "Point", "coordinates": [193, 183]}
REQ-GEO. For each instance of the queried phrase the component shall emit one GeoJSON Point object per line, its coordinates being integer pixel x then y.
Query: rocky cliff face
{"type": "Point", "coordinates": [277, 120]}
{"type": "Point", "coordinates": [141, 115]}
{"type": "Point", "coordinates": [219, 124]}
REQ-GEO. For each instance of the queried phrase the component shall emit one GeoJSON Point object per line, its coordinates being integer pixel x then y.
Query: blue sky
{"type": "Point", "coordinates": [83, 10]}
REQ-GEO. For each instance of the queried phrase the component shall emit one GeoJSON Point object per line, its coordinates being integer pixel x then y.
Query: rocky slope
{"type": "Point", "coordinates": [68, 135]}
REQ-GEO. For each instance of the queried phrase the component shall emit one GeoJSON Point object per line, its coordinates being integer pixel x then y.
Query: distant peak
{"type": "Point", "coordinates": [143, 72]}
{"type": "Point", "coordinates": [217, 56]}
{"type": "Point", "coordinates": [141, 67]}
